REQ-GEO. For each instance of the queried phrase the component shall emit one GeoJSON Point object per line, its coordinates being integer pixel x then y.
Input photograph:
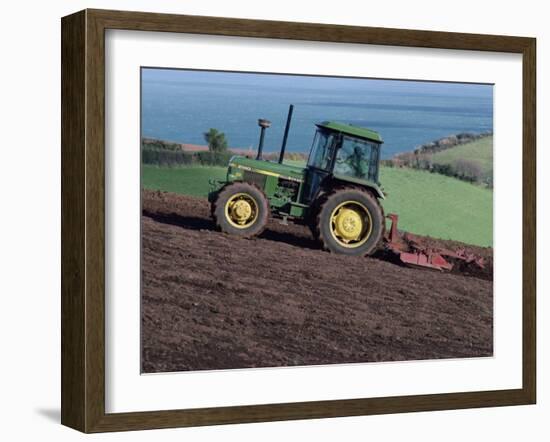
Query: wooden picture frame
{"type": "Point", "coordinates": [83, 220]}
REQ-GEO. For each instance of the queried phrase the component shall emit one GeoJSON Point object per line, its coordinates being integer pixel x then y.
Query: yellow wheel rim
{"type": "Point", "coordinates": [241, 210]}
{"type": "Point", "coordinates": [351, 224]}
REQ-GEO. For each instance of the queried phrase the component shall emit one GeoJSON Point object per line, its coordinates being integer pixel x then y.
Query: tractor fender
{"type": "Point", "coordinates": [216, 186]}
{"type": "Point", "coordinates": [377, 191]}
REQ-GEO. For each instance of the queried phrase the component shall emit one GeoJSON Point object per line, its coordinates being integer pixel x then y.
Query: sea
{"type": "Point", "coordinates": [180, 105]}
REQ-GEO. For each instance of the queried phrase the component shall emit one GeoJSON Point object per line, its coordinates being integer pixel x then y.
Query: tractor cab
{"type": "Point", "coordinates": [342, 153]}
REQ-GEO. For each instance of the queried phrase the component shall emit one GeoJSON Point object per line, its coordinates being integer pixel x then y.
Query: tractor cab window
{"type": "Point", "coordinates": [322, 150]}
{"type": "Point", "coordinates": [357, 158]}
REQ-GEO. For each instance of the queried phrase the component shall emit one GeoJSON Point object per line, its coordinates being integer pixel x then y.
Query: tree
{"type": "Point", "coordinates": [216, 140]}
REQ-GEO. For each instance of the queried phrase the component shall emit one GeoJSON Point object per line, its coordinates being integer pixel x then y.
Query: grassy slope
{"type": "Point", "coordinates": [187, 180]}
{"type": "Point", "coordinates": [427, 204]}
{"type": "Point", "coordinates": [439, 206]}
{"type": "Point", "coordinates": [480, 151]}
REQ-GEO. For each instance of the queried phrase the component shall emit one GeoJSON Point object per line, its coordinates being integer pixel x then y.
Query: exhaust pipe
{"type": "Point", "coordinates": [264, 124]}
{"type": "Point", "coordinates": [285, 137]}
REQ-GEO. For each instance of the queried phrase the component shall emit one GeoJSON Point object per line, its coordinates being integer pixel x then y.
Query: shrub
{"type": "Point", "coordinates": [407, 159]}
{"type": "Point", "coordinates": [443, 169]}
{"type": "Point", "coordinates": [166, 157]}
{"type": "Point", "coordinates": [154, 144]}
{"type": "Point", "coordinates": [424, 161]}
{"type": "Point", "coordinates": [162, 157]}
{"type": "Point", "coordinates": [213, 158]}
{"type": "Point", "coordinates": [467, 170]}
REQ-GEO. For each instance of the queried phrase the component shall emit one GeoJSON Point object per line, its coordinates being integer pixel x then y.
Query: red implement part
{"type": "Point", "coordinates": [411, 252]}
{"type": "Point", "coordinates": [464, 256]}
{"type": "Point", "coordinates": [393, 235]}
{"type": "Point", "coordinates": [421, 259]}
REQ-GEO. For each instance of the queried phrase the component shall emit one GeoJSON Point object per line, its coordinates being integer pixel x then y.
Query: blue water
{"type": "Point", "coordinates": [180, 105]}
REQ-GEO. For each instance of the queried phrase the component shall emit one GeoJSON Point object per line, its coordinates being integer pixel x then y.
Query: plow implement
{"type": "Point", "coordinates": [410, 251]}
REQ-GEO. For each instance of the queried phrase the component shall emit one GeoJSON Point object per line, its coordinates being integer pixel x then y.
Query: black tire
{"type": "Point", "coordinates": [225, 218]}
{"type": "Point", "coordinates": [365, 207]}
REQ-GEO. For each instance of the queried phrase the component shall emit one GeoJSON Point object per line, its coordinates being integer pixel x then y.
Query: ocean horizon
{"type": "Point", "coordinates": [180, 105]}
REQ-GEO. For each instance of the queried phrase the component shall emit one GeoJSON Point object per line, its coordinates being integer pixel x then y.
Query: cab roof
{"type": "Point", "coordinates": [350, 129]}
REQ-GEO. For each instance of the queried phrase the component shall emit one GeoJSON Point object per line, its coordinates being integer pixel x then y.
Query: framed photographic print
{"type": "Point", "coordinates": [268, 221]}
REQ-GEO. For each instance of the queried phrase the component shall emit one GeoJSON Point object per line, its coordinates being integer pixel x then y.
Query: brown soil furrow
{"type": "Point", "coordinates": [213, 301]}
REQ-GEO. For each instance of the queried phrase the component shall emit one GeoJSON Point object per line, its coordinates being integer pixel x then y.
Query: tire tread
{"type": "Point", "coordinates": [227, 191]}
{"type": "Point", "coordinates": [335, 192]}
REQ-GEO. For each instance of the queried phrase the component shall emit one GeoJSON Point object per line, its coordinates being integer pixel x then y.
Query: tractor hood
{"type": "Point", "coordinates": [263, 167]}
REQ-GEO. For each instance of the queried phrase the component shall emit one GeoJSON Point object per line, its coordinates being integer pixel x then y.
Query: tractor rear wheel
{"type": "Point", "coordinates": [350, 221]}
{"type": "Point", "coordinates": [241, 209]}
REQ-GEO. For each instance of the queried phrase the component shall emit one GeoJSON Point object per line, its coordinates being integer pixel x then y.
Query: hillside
{"type": "Point", "coordinates": [466, 156]}
{"type": "Point", "coordinates": [427, 203]}
{"type": "Point", "coordinates": [439, 206]}
{"type": "Point", "coordinates": [479, 152]}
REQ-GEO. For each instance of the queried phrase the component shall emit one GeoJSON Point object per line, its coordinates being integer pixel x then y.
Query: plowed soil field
{"type": "Point", "coordinates": [214, 301]}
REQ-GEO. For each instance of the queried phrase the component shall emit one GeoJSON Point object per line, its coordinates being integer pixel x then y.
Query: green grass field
{"type": "Point", "coordinates": [479, 151]}
{"type": "Point", "coordinates": [439, 206]}
{"type": "Point", "coordinates": [427, 203]}
{"type": "Point", "coordinates": [191, 180]}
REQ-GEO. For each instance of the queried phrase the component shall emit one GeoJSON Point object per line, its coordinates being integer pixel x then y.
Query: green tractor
{"type": "Point", "coordinates": [337, 194]}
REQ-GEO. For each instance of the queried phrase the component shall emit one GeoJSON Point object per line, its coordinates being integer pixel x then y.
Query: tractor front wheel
{"type": "Point", "coordinates": [350, 221]}
{"type": "Point", "coordinates": [241, 209]}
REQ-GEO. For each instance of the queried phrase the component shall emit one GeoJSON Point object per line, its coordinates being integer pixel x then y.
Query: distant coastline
{"type": "Point", "coordinates": [168, 153]}
{"type": "Point", "coordinates": [466, 156]}
{"type": "Point", "coordinates": [182, 105]}
{"type": "Point", "coordinates": [190, 148]}
{"type": "Point", "coordinates": [422, 150]}
{"type": "Point", "coordinates": [449, 141]}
